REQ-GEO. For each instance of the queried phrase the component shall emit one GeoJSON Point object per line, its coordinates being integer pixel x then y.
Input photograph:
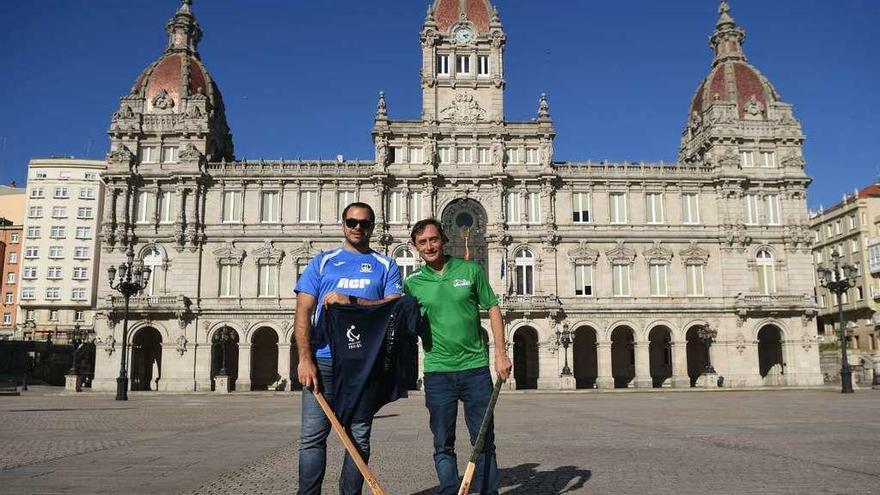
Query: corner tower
{"type": "Point", "coordinates": [462, 62]}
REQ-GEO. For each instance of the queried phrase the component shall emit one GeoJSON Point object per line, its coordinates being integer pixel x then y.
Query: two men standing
{"type": "Point", "coordinates": [450, 293]}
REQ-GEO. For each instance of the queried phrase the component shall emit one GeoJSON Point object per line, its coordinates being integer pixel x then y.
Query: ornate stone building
{"type": "Point", "coordinates": [632, 259]}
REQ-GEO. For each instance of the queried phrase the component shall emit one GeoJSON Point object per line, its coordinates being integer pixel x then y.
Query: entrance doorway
{"type": "Point", "coordinates": [771, 364]}
{"type": "Point", "coordinates": [264, 359]}
{"type": "Point", "coordinates": [146, 359]}
{"type": "Point", "coordinates": [696, 355]}
{"type": "Point", "coordinates": [525, 358]}
{"type": "Point", "coordinates": [585, 358]}
{"type": "Point", "coordinates": [660, 351]}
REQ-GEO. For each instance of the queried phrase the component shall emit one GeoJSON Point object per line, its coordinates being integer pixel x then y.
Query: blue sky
{"type": "Point", "coordinates": [300, 78]}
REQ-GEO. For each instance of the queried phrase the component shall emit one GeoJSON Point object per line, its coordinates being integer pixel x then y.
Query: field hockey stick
{"type": "Point", "coordinates": [481, 438]}
{"type": "Point", "coordinates": [349, 445]}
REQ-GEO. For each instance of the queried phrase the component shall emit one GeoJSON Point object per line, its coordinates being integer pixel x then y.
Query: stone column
{"type": "Point", "coordinates": [643, 365]}
{"type": "Point", "coordinates": [243, 383]}
{"type": "Point", "coordinates": [680, 378]}
{"type": "Point", "coordinates": [605, 380]}
{"type": "Point", "coordinates": [284, 365]}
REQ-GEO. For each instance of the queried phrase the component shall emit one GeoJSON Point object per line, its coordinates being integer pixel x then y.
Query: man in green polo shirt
{"type": "Point", "coordinates": [451, 292]}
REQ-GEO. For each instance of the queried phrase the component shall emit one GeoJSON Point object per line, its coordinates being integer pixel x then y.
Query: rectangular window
{"type": "Point", "coordinates": [463, 64]}
{"type": "Point", "coordinates": [83, 232]}
{"type": "Point", "coordinates": [169, 154]}
{"type": "Point", "coordinates": [53, 293]}
{"type": "Point", "coordinates": [854, 246]}
{"type": "Point", "coordinates": [53, 314]}
{"type": "Point", "coordinates": [442, 65]}
{"type": "Point", "coordinates": [29, 273]}
{"type": "Point", "coordinates": [269, 207]}
{"type": "Point", "coordinates": [819, 259]}
{"type": "Point", "coordinates": [148, 154]}
{"type": "Point", "coordinates": [13, 239]}
{"type": "Point", "coordinates": [583, 280]}
{"type": "Point", "coordinates": [852, 222]}
{"type": "Point", "coordinates": [513, 207]}
{"type": "Point", "coordinates": [860, 294]}
{"type": "Point", "coordinates": [31, 252]}
{"type": "Point", "coordinates": [837, 229]}
{"type": "Point", "coordinates": [394, 207]}
{"type": "Point", "coordinates": [694, 280]}
{"type": "Point", "coordinates": [10, 278]}
{"type": "Point", "coordinates": [464, 155]}
{"type": "Point", "coordinates": [229, 280]}
{"type": "Point", "coordinates": [659, 286]}
{"type": "Point", "coordinates": [59, 212]}
{"type": "Point", "coordinates": [654, 208]}
{"type": "Point", "coordinates": [690, 208]}
{"type": "Point", "coordinates": [35, 212]}
{"type": "Point", "coordinates": [513, 155]}
{"type": "Point", "coordinates": [90, 176]}
{"type": "Point", "coordinates": [13, 258]}
{"type": "Point", "coordinates": [166, 213]}
{"type": "Point", "coordinates": [57, 232]}
{"type": "Point", "coordinates": [7, 319]}
{"type": "Point", "coordinates": [771, 202]}
{"type": "Point", "coordinates": [60, 192]}
{"type": "Point", "coordinates": [829, 230]}
{"type": "Point", "coordinates": [28, 294]}
{"type": "Point", "coordinates": [485, 156]}
{"type": "Point", "coordinates": [580, 207]}
{"type": "Point", "coordinates": [415, 207]}
{"type": "Point", "coordinates": [308, 206]}
{"type": "Point", "coordinates": [618, 207]}
{"type": "Point", "coordinates": [33, 232]}
{"type": "Point", "coordinates": [54, 272]}
{"type": "Point", "coordinates": [768, 159]}
{"type": "Point", "coordinates": [416, 155]}
{"type": "Point", "coordinates": [748, 159]}
{"type": "Point", "coordinates": [38, 193]}
{"type": "Point", "coordinates": [268, 281]}
{"type": "Point", "coordinates": [81, 253]}
{"type": "Point", "coordinates": [345, 198]}
{"type": "Point", "coordinates": [80, 273]}
{"type": "Point", "coordinates": [398, 154]}
{"type": "Point", "coordinates": [144, 207]}
{"type": "Point", "coordinates": [56, 252]}
{"type": "Point", "coordinates": [9, 298]}
{"type": "Point", "coordinates": [231, 207]}
{"type": "Point", "coordinates": [620, 280]}
{"type": "Point", "coordinates": [766, 279]}
{"type": "Point", "coordinates": [751, 206]}
{"type": "Point", "coordinates": [78, 294]}
{"type": "Point", "coordinates": [533, 213]}
{"type": "Point", "coordinates": [85, 213]}
{"type": "Point", "coordinates": [30, 314]}
{"type": "Point", "coordinates": [483, 65]}
{"type": "Point", "coordinates": [446, 155]}
{"type": "Point", "coordinates": [532, 157]}
{"type": "Point", "coordinates": [79, 315]}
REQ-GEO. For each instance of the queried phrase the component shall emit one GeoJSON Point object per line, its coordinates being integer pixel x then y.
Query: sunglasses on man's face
{"type": "Point", "coordinates": [353, 222]}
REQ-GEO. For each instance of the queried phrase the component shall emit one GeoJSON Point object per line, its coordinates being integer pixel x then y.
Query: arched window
{"type": "Point", "coordinates": [525, 272]}
{"type": "Point", "coordinates": [765, 270]}
{"type": "Point", "coordinates": [406, 260]}
{"type": "Point", "coordinates": [152, 258]}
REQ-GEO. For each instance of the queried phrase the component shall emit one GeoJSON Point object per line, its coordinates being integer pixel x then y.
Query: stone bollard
{"type": "Point", "coordinates": [221, 384]}
{"type": "Point", "coordinates": [708, 380]}
{"type": "Point", "coordinates": [72, 383]}
{"type": "Point", "coordinates": [567, 383]}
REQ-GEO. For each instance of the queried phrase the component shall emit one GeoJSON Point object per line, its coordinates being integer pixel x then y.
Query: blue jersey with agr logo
{"type": "Point", "coordinates": [365, 275]}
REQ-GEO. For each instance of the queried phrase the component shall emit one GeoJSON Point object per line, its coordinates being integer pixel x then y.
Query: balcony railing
{"type": "Point", "coordinates": [143, 302]}
{"type": "Point", "coordinates": [757, 301]}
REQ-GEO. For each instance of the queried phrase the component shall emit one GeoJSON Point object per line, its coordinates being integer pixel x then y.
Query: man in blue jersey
{"type": "Point", "coordinates": [350, 274]}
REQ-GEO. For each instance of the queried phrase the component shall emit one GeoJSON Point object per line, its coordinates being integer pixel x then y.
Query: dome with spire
{"type": "Point", "coordinates": [732, 78]}
{"type": "Point", "coordinates": [450, 12]}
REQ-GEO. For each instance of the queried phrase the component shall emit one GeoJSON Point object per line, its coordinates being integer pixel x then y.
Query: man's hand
{"type": "Point", "coordinates": [308, 374]}
{"type": "Point", "coordinates": [503, 365]}
{"type": "Point", "coordinates": [336, 298]}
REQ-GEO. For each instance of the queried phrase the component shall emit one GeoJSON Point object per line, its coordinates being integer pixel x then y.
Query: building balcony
{"type": "Point", "coordinates": [157, 303]}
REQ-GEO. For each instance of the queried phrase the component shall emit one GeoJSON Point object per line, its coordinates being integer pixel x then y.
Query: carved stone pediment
{"type": "Point", "coordinates": [121, 155]}
{"type": "Point", "coordinates": [583, 255]}
{"type": "Point", "coordinates": [793, 161]}
{"type": "Point", "coordinates": [729, 159]}
{"type": "Point", "coordinates": [735, 236]}
{"type": "Point", "coordinates": [621, 255]}
{"type": "Point", "coordinates": [229, 254]}
{"type": "Point", "coordinates": [303, 251]}
{"type": "Point", "coordinates": [694, 255]}
{"type": "Point", "coordinates": [464, 109]}
{"type": "Point", "coordinates": [163, 101]}
{"type": "Point", "coordinates": [267, 254]}
{"type": "Point", "coordinates": [658, 255]}
{"type": "Point", "coordinates": [190, 154]}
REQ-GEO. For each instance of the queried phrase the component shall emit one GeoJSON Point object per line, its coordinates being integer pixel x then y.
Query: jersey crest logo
{"type": "Point", "coordinates": [460, 282]}
{"type": "Point", "coordinates": [354, 339]}
{"type": "Point", "coordinates": [366, 268]}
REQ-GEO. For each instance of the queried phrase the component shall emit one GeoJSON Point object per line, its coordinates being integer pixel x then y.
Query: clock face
{"type": "Point", "coordinates": [463, 35]}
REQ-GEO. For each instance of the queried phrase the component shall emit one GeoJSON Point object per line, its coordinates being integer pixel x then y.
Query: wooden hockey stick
{"type": "Point", "coordinates": [349, 445]}
{"type": "Point", "coordinates": [481, 437]}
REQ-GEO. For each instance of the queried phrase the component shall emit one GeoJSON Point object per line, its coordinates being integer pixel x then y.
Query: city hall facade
{"type": "Point", "coordinates": [636, 261]}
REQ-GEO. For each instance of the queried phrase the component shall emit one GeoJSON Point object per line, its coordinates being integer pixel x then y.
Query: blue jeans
{"type": "Point", "coordinates": [442, 393]}
{"type": "Point", "coordinates": [313, 441]}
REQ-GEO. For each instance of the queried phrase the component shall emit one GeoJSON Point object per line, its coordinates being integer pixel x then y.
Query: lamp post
{"type": "Point", "coordinates": [133, 278]}
{"type": "Point", "coordinates": [838, 280]}
{"type": "Point", "coordinates": [564, 338]}
{"type": "Point", "coordinates": [708, 334]}
{"type": "Point", "coordinates": [76, 336]}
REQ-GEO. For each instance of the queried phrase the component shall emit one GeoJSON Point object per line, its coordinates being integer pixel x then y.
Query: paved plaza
{"type": "Point", "coordinates": [761, 442]}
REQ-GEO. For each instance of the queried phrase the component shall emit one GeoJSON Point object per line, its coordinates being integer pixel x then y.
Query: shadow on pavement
{"type": "Point", "coordinates": [525, 479]}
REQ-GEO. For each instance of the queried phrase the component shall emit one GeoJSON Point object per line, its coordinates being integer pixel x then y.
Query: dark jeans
{"type": "Point", "coordinates": [442, 393]}
{"type": "Point", "coordinates": [313, 441]}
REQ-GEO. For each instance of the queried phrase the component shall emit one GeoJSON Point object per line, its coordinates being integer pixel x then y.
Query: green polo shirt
{"type": "Point", "coordinates": [451, 303]}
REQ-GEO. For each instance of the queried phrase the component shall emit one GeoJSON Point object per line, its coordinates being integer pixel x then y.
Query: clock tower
{"type": "Point", "coordinates": [462, 62]}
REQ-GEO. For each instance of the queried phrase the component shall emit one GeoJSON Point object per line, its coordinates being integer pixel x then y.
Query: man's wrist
{"type": "Point", "coordinates": [352, 300]}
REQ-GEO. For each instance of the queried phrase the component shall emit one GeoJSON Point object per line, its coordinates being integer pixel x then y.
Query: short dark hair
{"type": "Point", "coordinates": [420, 226]}
{"type": "Point", "coordinates": [358, 204]}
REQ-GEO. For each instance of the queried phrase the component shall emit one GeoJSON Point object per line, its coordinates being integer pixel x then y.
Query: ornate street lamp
{"type": "Point", "coordinates": [564, 338]}
{"type": "Point", "coordinates": [133, 278]}
{"type": "Point", "coordinates": [839, 279]}
{"type": "Point", "coordinates": [708, 334]}
{"type": "Point", "coordinates": [76, 336]}
{"type": "Point", "coordinates": [223, 337]}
